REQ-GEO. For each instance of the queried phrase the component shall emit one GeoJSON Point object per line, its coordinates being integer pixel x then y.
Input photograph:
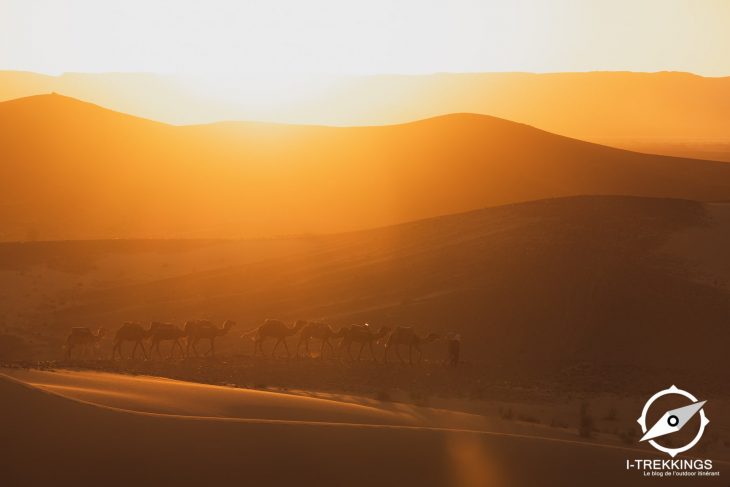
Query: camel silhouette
{"type": "Point", "coordinates": [363, 335]}
{"type": "Point", "coordinates": [406, 335]}
{"type": "Point", "coordinates": [318, 331]}
{"type": "Point", "coordinates": [130, 332]}
{"type": "Point", "coordinates": [196, 330]}
{"type": "Point", "coordinates": [165, 332]}
{"type": "Point", "coordinates": [82, 337]}
{"type": "Point", "coordinates": [274, 329]}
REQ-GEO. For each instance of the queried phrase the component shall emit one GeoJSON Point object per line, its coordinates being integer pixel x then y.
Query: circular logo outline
{"type": "Point", "coordinates": [673, 452]}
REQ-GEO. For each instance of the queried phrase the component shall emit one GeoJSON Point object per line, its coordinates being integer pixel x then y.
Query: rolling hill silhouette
{"type": "Point", "coordinates": [74, 170]}
{"type": "Point", "coordinates": [569, 280]}
{"type": "Point", "coordinates": [672, 113]}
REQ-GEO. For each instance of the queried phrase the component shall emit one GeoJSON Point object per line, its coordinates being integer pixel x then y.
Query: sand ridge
{"type": "Point", "coordinates": [91, 444]}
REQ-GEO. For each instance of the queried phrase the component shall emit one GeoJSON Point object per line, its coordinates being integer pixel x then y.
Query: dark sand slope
{"type": "Point", "coordinates": [73, 170]}
{"type": "Point", "coordinates": [578, 280]}
{"type": "Point", "coordinates": [54, 440]}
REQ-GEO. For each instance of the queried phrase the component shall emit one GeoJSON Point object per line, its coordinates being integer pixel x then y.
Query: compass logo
{"type": "Point", "coordinates": [673, 421]}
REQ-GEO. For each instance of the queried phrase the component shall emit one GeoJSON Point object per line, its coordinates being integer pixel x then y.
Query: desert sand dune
{"type": "Point", "coordinates": [250, 180]}
{"type": "Point", "coordinates": [674, 105]}
{"type": "Point", "coordinates": [205, 451]}
{"type": "Point", "coordinates": [165, 396]}
{"type": "Point", "coordinates": [571, 279]}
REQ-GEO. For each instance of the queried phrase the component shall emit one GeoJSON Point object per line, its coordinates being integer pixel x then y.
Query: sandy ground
{"type": "Point", "coordinates": [102, 429]}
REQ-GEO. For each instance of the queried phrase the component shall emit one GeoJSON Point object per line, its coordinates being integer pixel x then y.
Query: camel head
{"type": "Point", "coordinates": [100, 333]}
{"type": "Point", "coordinates": [227, 325]}
{"type": "Point", "coordinates": [299, 325]}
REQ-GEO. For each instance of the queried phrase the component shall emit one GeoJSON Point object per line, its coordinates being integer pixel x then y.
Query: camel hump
{"type": "Point", "coordinates": [196, 324]}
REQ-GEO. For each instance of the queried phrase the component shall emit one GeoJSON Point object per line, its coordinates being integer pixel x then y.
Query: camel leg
{"type": "Point", "coordinates": [410, 354]}
{"type": "Point", "coordinates": [306, 346]}
{"type": "Point", "coordinates": [276, 345]}
{"type": "Point", "coordinates": [114, 350]}
{"type": "Point", "coordinates": [175, 344]}
{"type": "Point", "coordinates": [195, 350]}
{"type": "Point", "coordinates": [359, 354]}
{"type": "Point", "coordinates": [299, 345]}
{"type": "Point", "coordinates": [372, 352]}
{"type": "Point", "coordinates": [420, 353]}
{"type": "Point", "coordinates": [286, 347]}
{"type": "Point", "coordinates": [69, 348]}
{"type": "Point", "coordinates": [212, 347]}
{"type": "Point", "coordinates": [349, 353]}
{"type": "Point", "coordinates": [321, 349]}
{"type": "Point", "coordinates": [397, 352]}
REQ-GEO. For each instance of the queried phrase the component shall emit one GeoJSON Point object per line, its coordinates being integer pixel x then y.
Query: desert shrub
{"type": "Point", "coordinates": [611, 415]}
{"type": "Point", "coordinates": [506, 413]}
{"type": "Point", "coordinates": [419, 398]}
{"type": "Point", "coordinates": [383, 396]}
{"type": "Point", "coordinates": [528, 419]}
{"type": "Point", "coordinates": [628, 436]}
{"type": "Point", "coordinates": [585, 424]}
{"type": "Point", "coordinates": [476, 394]}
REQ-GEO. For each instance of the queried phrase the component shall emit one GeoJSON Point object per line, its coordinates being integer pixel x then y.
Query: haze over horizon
{"type": "Point", "coordinates": [380, 37]}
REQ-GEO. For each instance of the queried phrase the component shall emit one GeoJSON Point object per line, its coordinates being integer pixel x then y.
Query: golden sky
{"type": "Point", "coordinates": [364, 37]}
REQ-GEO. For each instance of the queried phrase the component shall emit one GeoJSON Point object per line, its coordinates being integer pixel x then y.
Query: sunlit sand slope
{"type": "Point", "coordinates": [73, 170]}
{"type": "Point", "coordinates": [53, 439]}
{"type": "Point", "coordinates": [166, 396]}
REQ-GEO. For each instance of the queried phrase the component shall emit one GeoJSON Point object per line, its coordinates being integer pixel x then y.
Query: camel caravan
{"type": "Point", "coordinates": [84, 343]}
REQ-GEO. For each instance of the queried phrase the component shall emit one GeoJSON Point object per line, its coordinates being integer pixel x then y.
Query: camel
{"type": "Point", "coordinates": [406, 335]}
{"type": "Point", "coordinates": [318, 331]}
{"type": "Point", "coordinates": [166, 331]}
{"type": "Point", "coordinates": [361, 334]}
{"type": "Point", "coordinates": [274, 329]}
{"type": "Point", "coordinates": [196, 330]}
{"type": "Point", "coordinates": [83, 338]}
{"type": "Point", "coordinates": [130, 332]}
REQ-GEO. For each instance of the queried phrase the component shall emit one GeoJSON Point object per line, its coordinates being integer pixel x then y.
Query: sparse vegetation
{"type": "Point", "coordinates": [586, 423]}
{"type": "Point", "coordinates": [506, 413]}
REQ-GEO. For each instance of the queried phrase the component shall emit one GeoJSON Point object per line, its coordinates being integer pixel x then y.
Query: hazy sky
{"type": "Point", "coordinates": [365, 37]}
